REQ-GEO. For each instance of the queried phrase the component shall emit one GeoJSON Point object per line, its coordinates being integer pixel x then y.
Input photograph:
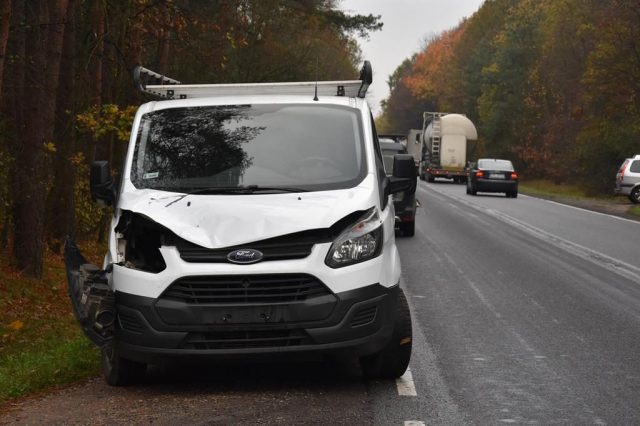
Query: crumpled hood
{"type": "Point", "coordinates": [215, 221]}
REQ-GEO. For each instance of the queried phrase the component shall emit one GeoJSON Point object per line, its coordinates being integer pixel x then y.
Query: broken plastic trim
{"type": "Point", "coordinates": [92, 300]}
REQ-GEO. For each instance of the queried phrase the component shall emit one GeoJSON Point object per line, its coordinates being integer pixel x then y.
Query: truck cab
{"type": "Point", "coordinates": [249, 220]}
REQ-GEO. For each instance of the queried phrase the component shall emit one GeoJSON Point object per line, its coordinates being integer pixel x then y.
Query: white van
{"type": "Point", "coordinates": [248, 220]}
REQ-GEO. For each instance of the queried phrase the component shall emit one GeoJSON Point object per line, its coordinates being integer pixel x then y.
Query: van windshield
{"type": "Point", "coordinates": [311, 147]}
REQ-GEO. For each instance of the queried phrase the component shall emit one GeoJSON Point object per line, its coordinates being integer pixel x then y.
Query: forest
{"type": "Point", "coordinates": [553, 85]}
{"type": "Point", "coordinates": [67, 96]}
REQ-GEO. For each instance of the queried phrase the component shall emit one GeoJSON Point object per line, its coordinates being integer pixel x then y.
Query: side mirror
{"type": "Point", "coordinates": [101, 183]}
{"type": "Point", "coordinates": [404, 166]}
{"type": "Point", "coordinates": [404, 177]}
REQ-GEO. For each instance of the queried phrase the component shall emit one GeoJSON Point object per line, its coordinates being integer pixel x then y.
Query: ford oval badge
{"type": "Point", "coordinates": [245, 256]}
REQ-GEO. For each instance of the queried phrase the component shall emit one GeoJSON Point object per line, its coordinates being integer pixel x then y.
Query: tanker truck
{"type": "Point", "coordinates": [446, 141]}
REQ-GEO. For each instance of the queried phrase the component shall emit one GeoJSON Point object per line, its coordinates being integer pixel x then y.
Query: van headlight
{"type": "Point", "coordinates": [359, 242]}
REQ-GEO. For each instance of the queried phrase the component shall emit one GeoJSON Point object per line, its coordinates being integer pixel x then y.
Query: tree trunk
{"type": "Point", "coordinates": [61, 219]}
{"type": "Point", "coordinates": [98, 53]}
{"type": "Point", "coordinates": [5, 23]}
{"type": "Point", "coordinates": [13, 106]}
{"type": "Point", "coordinates": [30, 162]}
{"type": "Point", "coordinates": [43, 71]}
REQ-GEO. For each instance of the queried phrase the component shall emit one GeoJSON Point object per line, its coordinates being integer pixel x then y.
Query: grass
{"type": "Point", "coordinates": [552, 190]}
{"type": "Point", "coordinates": [41, 345]}
{"type": "Point", "coordinates": [566, 192]}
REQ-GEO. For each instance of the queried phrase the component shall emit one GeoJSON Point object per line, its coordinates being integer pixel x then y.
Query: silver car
{"type": "Point", "coordinates": [628, 179]}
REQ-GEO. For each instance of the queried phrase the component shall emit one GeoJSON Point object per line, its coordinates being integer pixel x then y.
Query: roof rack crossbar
{"type": "Point", "coordinates": [143, 76]}
{"type": "Point", "coordinates": [156, 84]}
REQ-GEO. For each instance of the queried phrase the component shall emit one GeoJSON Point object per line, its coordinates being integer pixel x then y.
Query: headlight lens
{"type": "Point", "coordinates": [360, 242]}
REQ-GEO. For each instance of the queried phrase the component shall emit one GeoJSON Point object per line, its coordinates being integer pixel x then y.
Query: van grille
{"type": "Point", "coordinates": [236, 289]}
{"type": "Point", "coordinates": [292, 246]}
{"type": "Point", "coordinates": [245, 339]}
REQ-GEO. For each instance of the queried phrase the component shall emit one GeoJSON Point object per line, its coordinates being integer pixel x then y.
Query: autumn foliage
{"type": "Point", "coordinates": [552, 84]}
{"type": "Point", "coordinates": [67, 95]}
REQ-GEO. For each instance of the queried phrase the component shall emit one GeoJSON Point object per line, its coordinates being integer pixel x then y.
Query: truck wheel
{"type": "Point", "coordinates": [408, 229]}
{"type": "Point", "coordinates": [634, 196]}
{"type": "Point", "coordinates": [392, 361]}
{"type": "Point", "coordinates": [120, 371]}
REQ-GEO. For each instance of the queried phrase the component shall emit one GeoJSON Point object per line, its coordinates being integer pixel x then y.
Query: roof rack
{"type": "Point", "coordinates": [156, 84]}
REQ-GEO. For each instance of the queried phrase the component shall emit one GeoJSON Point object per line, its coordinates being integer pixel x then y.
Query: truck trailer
{"type": "Point", "coordinates": [445, 141]}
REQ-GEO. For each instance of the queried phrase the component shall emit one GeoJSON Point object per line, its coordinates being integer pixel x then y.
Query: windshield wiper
{"type": "Point", "coordinates": [244, 189]}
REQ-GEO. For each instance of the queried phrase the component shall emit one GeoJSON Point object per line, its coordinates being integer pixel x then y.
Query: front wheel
{"type": "Point", "coordinates": [634, 196]}
{"type": "Point", "coordinates": [393, 360]}
{"type": "Point", "coordinates": [120, 371]}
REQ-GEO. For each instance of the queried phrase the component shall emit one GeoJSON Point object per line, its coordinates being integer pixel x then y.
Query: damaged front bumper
{"type": "Point", "coordinates": [92, 300]}
{"type": "Point", "coordinates": [184, 320]}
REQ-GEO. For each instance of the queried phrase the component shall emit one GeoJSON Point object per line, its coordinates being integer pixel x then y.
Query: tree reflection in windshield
{"type": "Point", "coordinates": [312, 147]}
{"type": "Point", "coordinates": [184, 145]}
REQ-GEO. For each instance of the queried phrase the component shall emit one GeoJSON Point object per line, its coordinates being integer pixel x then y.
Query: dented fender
{"type": "Point", "coordinates": [92, 300]}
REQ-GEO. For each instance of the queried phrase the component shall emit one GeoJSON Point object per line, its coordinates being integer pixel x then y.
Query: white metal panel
{"type": "Point", "coordinates": [458, 124]}
{"type": "Point", "coordinates": [215, 221]}
{"type": "Point", "coordinates": [348, 88]}
{"type": "Point", "coordinates": [453, 152]}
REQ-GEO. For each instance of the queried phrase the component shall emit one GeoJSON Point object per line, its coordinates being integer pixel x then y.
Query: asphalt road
{"type": "Point", "coordinates": [525, 311]}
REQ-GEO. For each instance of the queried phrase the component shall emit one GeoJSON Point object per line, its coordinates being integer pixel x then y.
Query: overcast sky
{"type": "Point", "coordinates": [407, 24]}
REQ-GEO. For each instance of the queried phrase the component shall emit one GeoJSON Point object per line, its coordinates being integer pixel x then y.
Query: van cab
{"type": "Point", "coordinates": [249, 220]}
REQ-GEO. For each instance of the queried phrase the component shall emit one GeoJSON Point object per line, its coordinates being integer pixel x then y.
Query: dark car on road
{"type": "Point", "coordinates": [403, 202]}
{"type": "Point", "coordinates": [492, 175]}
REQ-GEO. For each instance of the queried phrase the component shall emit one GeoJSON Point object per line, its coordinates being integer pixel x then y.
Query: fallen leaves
{"type": "Point", "coordinates": [16, 325]}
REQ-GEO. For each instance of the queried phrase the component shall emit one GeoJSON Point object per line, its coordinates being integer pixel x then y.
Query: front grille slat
{"type": "Point", "coordinates": [281, 288]}
{"type": "Point", "coordinates": [364, 316]}
{"type": "Point", "coordinates": [245, 339]}
{"type": "Point", "coordinates": [130, 323]}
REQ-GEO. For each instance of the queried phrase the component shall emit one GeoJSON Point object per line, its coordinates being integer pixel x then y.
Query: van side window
{"type": "Point", "coordinates": [382, 175]}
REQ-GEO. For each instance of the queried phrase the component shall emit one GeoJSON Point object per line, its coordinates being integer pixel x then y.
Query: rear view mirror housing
{"type": "Point", "coordinates": [101, 183]}
{"type": "Point", "coordinates": [404, 177]}
{"type": "Point", "coordinates": [404, 166]}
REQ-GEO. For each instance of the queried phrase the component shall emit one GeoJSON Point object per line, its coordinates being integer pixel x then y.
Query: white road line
{"type": "Point", "coordinates": [405, 384]}
{"type": "Point", "coordinates": [414, 423]}
{"type": "Point", "coordinates": [589, 211]}
{"type": "Point", "coordinates": [627, 270]}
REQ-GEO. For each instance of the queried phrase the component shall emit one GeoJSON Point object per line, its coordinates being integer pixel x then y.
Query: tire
{"type": "Point", "coordinates": [473, 191]}
{"type": "Point", "coordinates": [393, 360]}
{"type": "Point", "coordinates": [468, 188]}
{"type": "Point", "coordinates": [422, 176]}
{"type": "Point", "coordinates": [408, 229]}
{"type": "Point", "coordinates": [120, 371]}
{"type": "Point", "coordinates": [634, 196]}
{"type": "Point", "coordinates": [430, 178]}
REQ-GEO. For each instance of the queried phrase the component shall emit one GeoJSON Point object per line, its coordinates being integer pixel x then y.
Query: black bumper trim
{"type": "Point", "coordinates": [152, 340]}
